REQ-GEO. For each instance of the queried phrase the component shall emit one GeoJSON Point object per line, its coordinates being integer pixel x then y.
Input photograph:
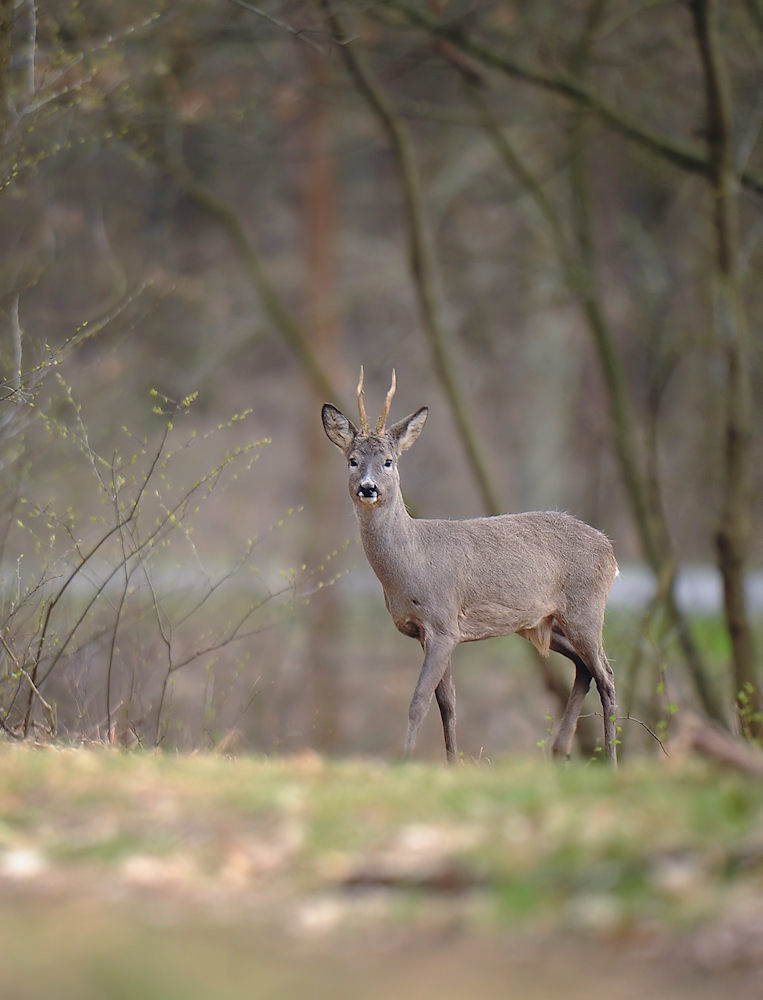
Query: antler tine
{"type": "Point", "coordinates": [385, 411]}
{"type": "Point", "coordinates": [362, 406]}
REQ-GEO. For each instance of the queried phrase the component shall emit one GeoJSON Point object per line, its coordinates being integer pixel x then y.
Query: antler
{"type": "Point", "coordinates": [385, 411]}
{"type": "Point", "coordinates": [362, 405]}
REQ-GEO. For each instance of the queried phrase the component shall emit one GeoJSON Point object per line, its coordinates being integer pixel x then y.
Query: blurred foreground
{"type": "Point", "coordinates": [156, 875]}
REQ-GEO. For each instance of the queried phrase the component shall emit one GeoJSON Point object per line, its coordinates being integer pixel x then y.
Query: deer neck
{"type": "Point", "coordinates": [387, 534]}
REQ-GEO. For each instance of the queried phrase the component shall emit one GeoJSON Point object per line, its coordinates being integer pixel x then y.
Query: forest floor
{"type": "Point", "coordinates": [152, 875]}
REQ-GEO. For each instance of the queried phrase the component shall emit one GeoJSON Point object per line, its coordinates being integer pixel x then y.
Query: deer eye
{"type": "Point", "coordinates": [388, 463]}
{"type": "Point", "coordinates": [353, 463]}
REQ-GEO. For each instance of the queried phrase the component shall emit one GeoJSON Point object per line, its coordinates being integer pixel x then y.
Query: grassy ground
{"type": "Point", "coordinates": [141, 875]}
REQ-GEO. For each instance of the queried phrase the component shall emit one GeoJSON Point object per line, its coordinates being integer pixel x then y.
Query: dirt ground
{"type": "Point", "coordinates": [151, 876]}
{"type": "Point", "coordinates": [136, 948]}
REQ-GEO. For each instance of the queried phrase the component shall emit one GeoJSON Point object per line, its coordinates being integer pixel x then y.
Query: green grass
{"type": "Point", "coordinates": [109, 861]}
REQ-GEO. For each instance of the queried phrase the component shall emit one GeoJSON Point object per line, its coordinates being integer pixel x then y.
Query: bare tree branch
{"type": "Point", "coordinates": [421, 255]}
{"type": "Point", "coordinates": [299, 33]}
{"type": "Point", "coordinates": [6, 23]}
{"type": "Point", "coordinates": [280, 316]}
{"type": "Point", "coordinates": [565, 86]}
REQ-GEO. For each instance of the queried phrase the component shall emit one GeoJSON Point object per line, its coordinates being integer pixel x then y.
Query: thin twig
{"type": "Point", "coordinates": [297, 32]}
{"type": "Point", "coordinates": [17, 336]}
{"type": "Point", "coordinates": [48, 708]}
{"type": "Point", "coordinates": [630, 718]}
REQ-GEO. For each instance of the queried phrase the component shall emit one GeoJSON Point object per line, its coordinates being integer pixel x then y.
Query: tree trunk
{"type": "Point", "coordinates": [320, 320]}
{"type": "Point", "coordinates": [733, 341]}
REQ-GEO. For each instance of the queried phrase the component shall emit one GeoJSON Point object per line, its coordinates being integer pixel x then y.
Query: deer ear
{"type": "Point", "coordinates": [339, 429]}
{"type": "Point", "coordinates": [405, 432]}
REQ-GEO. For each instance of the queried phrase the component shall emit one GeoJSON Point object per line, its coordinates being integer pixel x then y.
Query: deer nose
{"type": "Point", "coordinates": [368, 489]}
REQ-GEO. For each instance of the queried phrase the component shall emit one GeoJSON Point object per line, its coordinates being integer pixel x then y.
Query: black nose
{"type": "Point", "coordinates": [367, 490]}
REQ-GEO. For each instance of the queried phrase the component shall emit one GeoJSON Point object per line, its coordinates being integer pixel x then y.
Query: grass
{"type": "Point", "coordinates": [151, 874]}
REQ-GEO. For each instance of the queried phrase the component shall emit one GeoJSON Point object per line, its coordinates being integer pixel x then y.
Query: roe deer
{"type": "Point", "coordinates": [544, 575]}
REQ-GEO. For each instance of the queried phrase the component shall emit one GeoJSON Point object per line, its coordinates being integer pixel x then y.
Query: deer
{"type": "Point", "coordinates": [542, 575]}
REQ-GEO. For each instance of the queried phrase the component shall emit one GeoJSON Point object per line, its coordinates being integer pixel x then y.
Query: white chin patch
{"type": "Point", "coordinates": [369, 501]}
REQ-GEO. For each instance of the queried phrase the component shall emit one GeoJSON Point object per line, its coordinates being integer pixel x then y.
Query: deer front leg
{"type": "Point", "coordinates": [445, 692]}
{"type": "Point", "coordinates": [436, 663]}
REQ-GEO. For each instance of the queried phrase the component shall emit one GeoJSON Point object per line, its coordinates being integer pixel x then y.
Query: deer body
{"type": "Point", "coordinates": [542, 575]}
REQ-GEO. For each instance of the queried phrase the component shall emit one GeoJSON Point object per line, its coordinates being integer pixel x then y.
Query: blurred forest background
{"type": "Point", "coordinates": [546, 216]}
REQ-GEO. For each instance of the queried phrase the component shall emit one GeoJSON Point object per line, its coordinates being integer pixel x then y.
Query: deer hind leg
{"type": "Point", "coordinates": [445, 692]}
{"type": "Point", "coordinates": [589, 648]}
{"type": "Point", "coordinates": [610, 715]}
{"type": "Point", "coordinates": [563, 743]}
{"type": "Point", "coordinates": [436, 664]}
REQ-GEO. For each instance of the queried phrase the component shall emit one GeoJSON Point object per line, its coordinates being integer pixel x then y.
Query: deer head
{"type": "Point", "coordinates": [372, 456]}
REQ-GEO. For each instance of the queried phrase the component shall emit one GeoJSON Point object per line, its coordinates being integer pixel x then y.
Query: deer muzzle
{"type": "Point", "coordinates": [367, 492]}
